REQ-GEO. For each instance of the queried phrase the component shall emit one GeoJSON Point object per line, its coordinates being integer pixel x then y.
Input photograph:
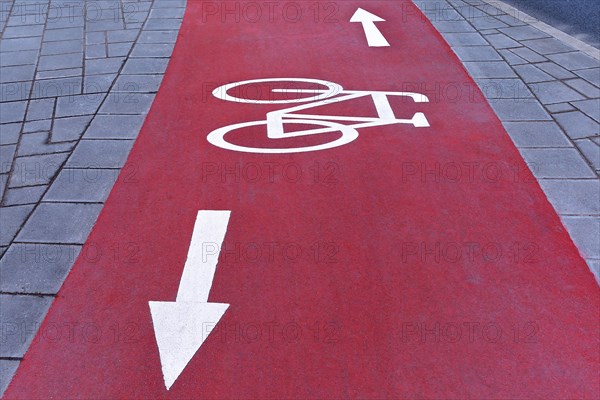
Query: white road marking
{"type": "Point", "coordinates": [182, 326]}
{"type": "Point", "coordinates": [374, 37]}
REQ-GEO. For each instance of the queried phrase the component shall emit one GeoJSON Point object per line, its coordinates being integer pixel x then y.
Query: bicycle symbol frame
{"type": "Point", "coordinates": [276, 120]}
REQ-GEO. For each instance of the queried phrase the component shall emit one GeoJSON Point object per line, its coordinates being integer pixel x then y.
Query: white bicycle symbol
{"type": "Point", "coordinates": [276, 120]}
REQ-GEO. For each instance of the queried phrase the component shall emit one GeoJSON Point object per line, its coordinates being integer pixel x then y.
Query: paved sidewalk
{"type": "Point", "coordinates": [77, 79]}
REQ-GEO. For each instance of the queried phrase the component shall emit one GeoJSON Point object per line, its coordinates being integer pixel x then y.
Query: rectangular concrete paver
{"type": "Point", "coordinates": [536, 134]}
{"type": "Point", "coordinates": [557, 163]}
{"type": "Point", "coordinates": [570, 196]}
{"type": "Point", "coordinates": [100, 154]}
{"type": "Point", "coordinates": [585, 231]}
{"type": "Point", "coordinates": [82, 185]}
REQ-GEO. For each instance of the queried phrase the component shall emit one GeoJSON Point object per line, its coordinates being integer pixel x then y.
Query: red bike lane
{"type": "Point", "coordinates": [409, 262]}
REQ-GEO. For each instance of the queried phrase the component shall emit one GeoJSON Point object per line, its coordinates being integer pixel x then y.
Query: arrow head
{"type": "Point", "coordinates": [364, 16]}
{"type": "Point", "coordinates": [180, 329]}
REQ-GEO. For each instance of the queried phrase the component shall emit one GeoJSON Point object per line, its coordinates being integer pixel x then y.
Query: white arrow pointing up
{"type": "Point", "coordinates": [374, 36]}
{"type": "Point", "coordinates": [180, 326]}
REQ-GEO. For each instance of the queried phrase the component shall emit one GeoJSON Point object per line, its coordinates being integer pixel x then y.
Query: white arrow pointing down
{"type": "Point", "coordinates": [374, 37]}
{"type": "Point", "coordinates": [179, 326]}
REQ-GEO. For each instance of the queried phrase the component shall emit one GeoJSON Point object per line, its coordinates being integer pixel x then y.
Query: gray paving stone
{"type": "Point", "coordinates": [582, 86]}
{"type": "Point", "coordinates": [36, 170]}
{"type": "Point", "coordinates": [100, 154]}
{"type": "Point", "coordinates": [19, 58]}
{"type": "Point", "coordinates": [68, 129]}
{"type": "Point", "coordinates": [519, 110]}
{"type": "Point", "coordinates": [465, 39]}
{"type": "Point", "coordinates": [95, 37]}
{"type": "Point", "coordinates": [170, 36]}
{"type": "Point", "coordinates": [23, 31]}
{"type": "Point", "coordinates": [145, 66]}
{"type": "Point", "coordinates": [60, 223]}
{"type": "Point", "coordinates": [56, 87]}
{"type": "Point", "coordinates": [6, 157]}
{"type": "Point", "coordinates": [74, 32]}
{"type": "Point", "coordinates": [36, 268]}
{"type": "Point", "coordinates": [104, 65]}
{"type": "Point", "coordinates": [594, 267]}
{"type": "Point", "coordinates": [60, 61]}
{"type": "Point", "coordinates": [62, 47]}
{"type": "Point", "coordinates": [25, 195]}
{"type": "Point", "coordinates": [37, 143]}
{"type": "Point", "coordinates": [453, 26]}
{"type": "Point", "coordinates": [559, 107]}
{"type": "Point", "coordinates": [557, 163]}
{"type": "Point", "coordinates": [11, 220]}
{"type": "Point", "coordinates": [501, 41]}
{"type": "Point", "coordinates": [489, 69]}
{"type": "Point", "coordinates": [476, 53]}
{"type": "Point", "coordinates": [95, 51]}
{"type": "Point", "coordinates": [574, 61]}
{"type": "Point", "coordinates": [138, 83]}
{"type": "Point", "coordinates": [20, 318]}
{"type": "Point", "coordinates": [591, 75]}
{"type": "Point", "coordinates": [523, 33]}
{"type": "Point", "coordinates": [167, 13]}
{"type": "Point", "coordinates": [547, 46]}
{"type": "Point", "coordinates": [104, 25]}
{"type": "Point", "coordinates": [577, 125]}
{"type": "Point", "coordinates": [17, 73]}
{"type": "Point", "coordinates": [82, 186]}
{"type": "Point", "coordinates": [19, 44]}
{"type": "Point", "coordinates": [12, 112]}
{"type": "Point", "coordinates": [40, 109]}
{"type": "Point", "coordinates": [98, 83]}
{"type": "Point", "coordinates": [38, 126]}
{"type": "Point", "coordinates": [71, 106]}
{"type": "Point", "coordinates": [504, 89]}
{"type": "Point", "coordinates": [115, 127]}
{"type": "Point", "coordinates": [591, 152]}
{"type": "Point", "coordinates": [154, 50]}
{"type": "Point", "coordinates": [487, 23]}
{"type": "Point", "coordinates": [9, 133]}
{"type": "Point", "coordinates": [528, 54]}
{"type": "Point", "coordinates": [122, 36]}
{"type": "Point", "coordinates": [570, 196]}
{"type": "Point", "coordinates": [59, 73]}
{"type": "Point", "coordinates": [589, 107]}
{"type": "Point", "coordinates": [536, 134]}
{"type": "Point", "coordinates": [162, 24]}
{"type": "Point", "coordinates": [7, 371]}
{"type": "Point", "coordinates": [119, 49]}
{"type": "Point", "coordinates": [14, 91]}
{"type": "Point", "coordinates": [585, 231]}
{"type": "Point", "coordinates": [554, 92]}
{"type": "Point", "coordinates": [510, 20]}
{"type": "Point", "coordinates": [555, 70]}
{"type": "Point", "coordinates": [68, 22]}
{"type": "Point", "coordinates": [127, 103]}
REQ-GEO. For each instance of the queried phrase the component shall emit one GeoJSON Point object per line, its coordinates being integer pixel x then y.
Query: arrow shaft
{"type": "Point", "coordinates": [374, 36]}
{"type": "Point", "coordinates": [203, 256]}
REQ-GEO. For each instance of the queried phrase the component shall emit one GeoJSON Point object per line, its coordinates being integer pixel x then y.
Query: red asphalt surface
{"type": "Point", "coordinates": [349, 297]}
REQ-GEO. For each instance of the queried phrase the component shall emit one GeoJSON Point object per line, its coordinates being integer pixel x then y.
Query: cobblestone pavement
{"type": "Point", "coordinates": [77, 79]}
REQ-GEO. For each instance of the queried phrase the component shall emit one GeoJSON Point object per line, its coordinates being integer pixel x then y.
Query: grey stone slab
{"type": "Point", "coordinates": [501, 41]}
{"type": "Point", "coordinates": [170, 36]}
{"type": "Point", "coordinates": [519, 110]}
{"type": "Point", "coordinates": [122, 36]}
{"type": "Point", "coordinates": [146, 66]}
{"type": "Point", "coordinates": [138, 83]}
{"type": "Point", "coordinates": [61, 23]}
{"type": "Point", "coordinates": [25, 195]}
{"type": "Point", "coordinates": [36, 170]}
{"type": "Point", "coordinates": [38, 143]}
{"type": "Point", "coordinates": [152, 50]}
{"type": "Point", "coordinates": [60, 61]}
{"type": "Point", "coordinates": [20, 319]}
{"type": "Point", "coordinates": [585, 232]}
{"type": "Point", "coordinates": [6, 158]}
{"type": "Point", "coordinates": [510, 20]}
{"type": "Point", "coordinates": [162, 24]}
{"type": "Point", "coordinates": [584, 87]}
{"type": "Point", "coordinates": [9, 133]}
{"type": "Point", "coordinates": [59, 73]}
{"type": "Point", "coordinates": [559, 107]}
{"type": "Point", "coordinates": [8, 368]}
{"type": "Point", "coordinates": [17, 73]}
{"type": "Point", "coordinates": [555, 70]}
{"type": "Point", "coordinates": [591, 152]}
{"type": "Point", "coordinates": [574, 61]}
{"type": "Point", "coordinates": [60, 223]}
{"type": "Point", "coordinates": [100, 154]}
{"type": "Point", "coordinates": [511, 58]}
{"type": "Point", "coordinates": [511, 88]}
{"type": "Point", "coordinates": [591, 75]}
{"type": "Point", "coordinates": [115, 127]}
{"type": "Point", "coordinates": [104, 25]}
{"type": "Point", "coordinates": [71, 106]}
{"type": "Point", "coordinates": [523, 33]}
{"type": "Point", "coordinates": [528, 54]}
{"type": "Point", "coordinates": [547, 46]}
{"type": "Point", "coordinates": [57, 87]}
{"type": "Point", "coordinates": [453, 26]}
{"type": "Point", "coordinates": [577, 125]}
{"type": "Point", "coordinates": [167, 13]}
{"type": "Point", "coordinates": [476, 53]}
{"type": "Point", "coordinates": [23, 31]}
{"type": "Point", "coordinates": [68, 129]}
{"type": "Point", "coordinates": [62, 47]}
{"type": "Point", "coordinates": [40, 109]}
{"type": "Point", "coordinates": [15, 91]}
{"type": "Point", "coordinates": [557, 163]}
{"type": "Point", "coordinates": [554, 92]}
{"type": "Point", "coordinates": [465, 39]}
{"type": "Point", "coordinates": [95, 51]}
{"type": "Point", "coordinates": [19, 44]}
{"type": "Point", "coordinates": [487, 23]}
{"type": "Point", "coordinates": [119, 49]}
{"type": "Point", "coordinates": [36, 268]}
{"type": "Point", "coordinates": [74, 32]}
{"type": "Point", "coordinates": [536, 134]}
{"type": "Point", "coordinates": [104, 65]}
{"type": "Point", "coordinates": [82, 186]}
{"type": "Point", "coordinates": [95, 37]}
{"type": "Point", "coordinates": [25, 57]}
{"type": "Point", "coordinates": [571, 196]}
{"type": "Point", "coordinates": [589, 107]}
{"type": "Point", "coordinates": [594, 267]}
{"type": "Point", "coordinates": [127, 103]}
{"type": "Point", "coordinates": [13, 111]}
{"type": "Point", "coordinates": [98, 83]}
{"type": "Point", "coordinates": [43, 125]}
{"type": "Point", "coordinates": [489, 69]}
{"type": "Point", "coordinates": [11, 220]}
